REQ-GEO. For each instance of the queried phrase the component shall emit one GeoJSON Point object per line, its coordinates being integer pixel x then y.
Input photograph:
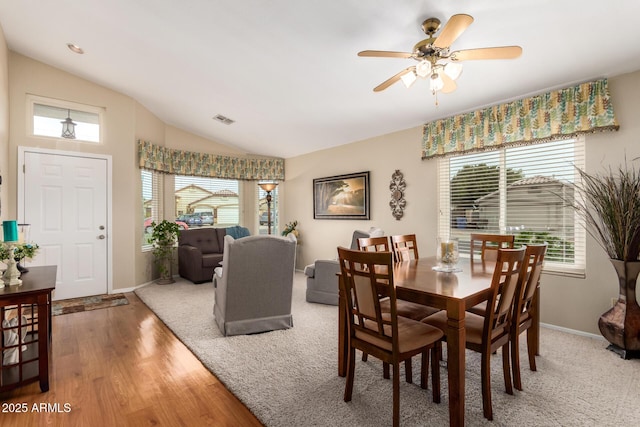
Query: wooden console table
{"type": "Point", "coordinates": [30, 305]}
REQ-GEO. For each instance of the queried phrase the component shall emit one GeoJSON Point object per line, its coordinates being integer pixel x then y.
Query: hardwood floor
{"type": "Point", "coordinates": [122, 366]}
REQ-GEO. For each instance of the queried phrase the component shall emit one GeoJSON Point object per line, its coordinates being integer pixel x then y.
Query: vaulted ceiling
{"type": "Point", "coordinates": [287, 72]}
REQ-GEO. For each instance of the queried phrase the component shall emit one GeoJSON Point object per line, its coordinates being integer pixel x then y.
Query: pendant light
{"type": "Point", "coordinates": [68, 127]}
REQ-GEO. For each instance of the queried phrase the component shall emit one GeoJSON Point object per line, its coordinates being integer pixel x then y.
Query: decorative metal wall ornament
{"type": "Point", "coordinates": [397, 187]}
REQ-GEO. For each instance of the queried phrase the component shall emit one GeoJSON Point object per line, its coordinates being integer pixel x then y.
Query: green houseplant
{"type": "Point", "coordinates": [163, 239]}
{"type": "Point", "coordinates": [610, 205]}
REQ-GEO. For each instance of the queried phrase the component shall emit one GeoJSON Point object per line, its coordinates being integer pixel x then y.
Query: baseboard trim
{"type": "Point", "coordinates": [572, 331]}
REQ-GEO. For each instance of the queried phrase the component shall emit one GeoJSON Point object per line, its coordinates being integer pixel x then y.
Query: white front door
{"type": "Point", "coordinates": [66, 203]}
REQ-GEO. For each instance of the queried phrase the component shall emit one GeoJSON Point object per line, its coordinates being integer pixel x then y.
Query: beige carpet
{"type": "Point", "coordinates": [95, 302]}
{"type": "Point", "coordinates": [289, 378]}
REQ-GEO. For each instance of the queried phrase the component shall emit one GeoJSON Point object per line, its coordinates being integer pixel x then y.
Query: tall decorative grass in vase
{"type": "Point", "coordinates": [609, 203]}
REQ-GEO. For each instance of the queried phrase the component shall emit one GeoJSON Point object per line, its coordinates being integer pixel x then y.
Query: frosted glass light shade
{"type": "Point", "coordinates": [453, 70]}
{"type": "Point", "coordinates": [408, 79]}
{"type": "Point", "coordinates": [436, 83]}
{"type": "Point", "coordinates": [423, 69]}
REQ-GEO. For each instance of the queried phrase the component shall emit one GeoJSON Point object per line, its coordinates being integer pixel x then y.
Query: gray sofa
{"type": "Point", "coordinates": [322, 282]}
{"type": "Point", "coordinates": [254, 285]}
{"type": "Point", "coordinates": [200, 251]}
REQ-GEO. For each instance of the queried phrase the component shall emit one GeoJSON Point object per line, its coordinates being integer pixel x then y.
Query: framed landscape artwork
{"type": "Point", "coordinates": [341, 196]}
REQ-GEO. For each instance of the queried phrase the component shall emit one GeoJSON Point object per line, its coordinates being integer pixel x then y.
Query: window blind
{"type": "Point", "coordinates": [521, 190]}
{"type": "Point", "coordinates": [202, 202]}
{"type": "Point", "coordinates": [151, 206]}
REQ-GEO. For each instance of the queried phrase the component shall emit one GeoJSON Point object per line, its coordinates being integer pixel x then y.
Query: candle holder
{"type": "Point", "coordinates": [11, 276]}
{"type": "Point", "coordinates": [447, 255]}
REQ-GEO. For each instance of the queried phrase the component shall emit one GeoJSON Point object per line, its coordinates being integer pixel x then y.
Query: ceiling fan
{"type": "Point", "coordinates": [435, 59]}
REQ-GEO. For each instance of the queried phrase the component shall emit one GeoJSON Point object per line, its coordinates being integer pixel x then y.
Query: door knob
{"type": "Point", "coordinates": [102, 236]}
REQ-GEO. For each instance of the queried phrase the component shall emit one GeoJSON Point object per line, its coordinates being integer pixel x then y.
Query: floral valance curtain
{"type": "Point", "coordinates": [178, 162]}
{"type": "Point", "coordinates": [563, 113]}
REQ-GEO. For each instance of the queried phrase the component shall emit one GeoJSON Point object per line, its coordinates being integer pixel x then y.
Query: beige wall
{"type": "Point", "coordinates": [4, 125]}
{"type": "Point", "coordinates": [566, 302]}
{"type": "Point", "coordinates": [125, 122]}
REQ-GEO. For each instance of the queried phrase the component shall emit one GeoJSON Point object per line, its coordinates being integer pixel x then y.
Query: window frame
{"type": "Point", "coordinates": [575, 269]}
{"type": "Point", "coordinates": [67, 105]}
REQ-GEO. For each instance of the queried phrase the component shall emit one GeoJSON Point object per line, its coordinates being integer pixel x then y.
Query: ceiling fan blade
{"type": "Point", "coordinates": [385, 54]}
{"type": "Point", "coordinates": [503, 52]}
{"type": "Point", "coordinates": [391, 80]}
{"type": "Point", "coordinates": [452, 30]}
{"type": "Point", "coordinates": [449, 84]}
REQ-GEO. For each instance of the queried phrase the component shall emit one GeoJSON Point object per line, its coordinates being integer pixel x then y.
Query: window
{"type": "Point", "coordinates": [151, 206]}
{"type": "Point", "coordinates": [207, 202]}
{"type": "Point", "coordinates": [262, 211]}
{"type": "Point", "coordinates": [521, 191]}
{"type": "Point", "coordinates": [48, 114]}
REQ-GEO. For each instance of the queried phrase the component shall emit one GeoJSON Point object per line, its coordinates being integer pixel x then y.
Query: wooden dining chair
{"type": "Point", "coordinates": [487, 245]}
{"type": "Point", "coordinates": [404, 247]}
{"type": "Point", "coordinates": [406, 309]}
{"type": "Point", "coordinates": [374, 244]}
{"type": "Point", "coordinates": [486, 334]}
{"type": "Point", "coordinates": [387, 336]}
{"type": "Point", "coordinates": [524, 307]}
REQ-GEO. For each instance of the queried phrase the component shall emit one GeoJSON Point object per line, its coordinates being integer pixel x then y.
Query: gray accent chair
{"type": "Point", "coordinates": [322, 282]}
{"type": "Point", "coordinates": [253, 288]}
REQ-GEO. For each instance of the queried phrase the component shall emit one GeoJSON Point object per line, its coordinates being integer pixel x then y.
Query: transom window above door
{"type": "Point", "coordinates": [67, 120]}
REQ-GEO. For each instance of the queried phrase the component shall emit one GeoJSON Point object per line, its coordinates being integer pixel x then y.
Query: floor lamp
{"type": "Point", "coordinates": [268, 187]}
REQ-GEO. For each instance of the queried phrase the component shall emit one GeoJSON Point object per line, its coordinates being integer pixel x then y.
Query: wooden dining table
{"type": "Point", "coordinates": [455, 292]}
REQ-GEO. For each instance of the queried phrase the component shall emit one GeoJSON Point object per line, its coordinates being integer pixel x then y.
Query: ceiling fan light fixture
{"type": "Point", "coordinates": [423, 69]}
{"type": "Point", "coordinates": [435, 83]}
{"type": "Point", "coordinates": [408, 79]}
{"type": "Point", "coordinates": [453, 70]}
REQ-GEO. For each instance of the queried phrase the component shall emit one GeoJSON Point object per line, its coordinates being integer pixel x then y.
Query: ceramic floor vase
{"type": "Point", "coordinates": [621, 324]}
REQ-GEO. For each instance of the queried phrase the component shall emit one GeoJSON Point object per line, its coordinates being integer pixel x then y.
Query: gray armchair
{"type": "Point", "coordinates": [322, 282]}
{"type": "Point", "coordinates": [254, 285]}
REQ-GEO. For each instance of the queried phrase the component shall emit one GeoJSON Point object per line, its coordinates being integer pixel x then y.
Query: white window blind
{"type": "Point", "coordinates": [521, 191]}
{"type": "Point", "coordinates": [207, 202]}
{"type": "Point", "coordinates": [151, 205]}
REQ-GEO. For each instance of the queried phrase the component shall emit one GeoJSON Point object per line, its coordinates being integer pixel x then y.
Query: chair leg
{"type": "Point", "coordinates": [364, 356]}
{"type": "Point", "coordinates": [506, 363]}
{"type": "Point", "coordinates": [515, 361]}
{"type": "Point", "coordinates": [424, 370]}
{"type": "Point", "coordinates": [435, 371]}
{"type": "Point", "coordinates": [485, 375]}
{"type": "Point", "coordinates": [351, 365]}
{"type": "Point", "coordinates": [530, 346]}
{"type": "Point", "coordinates": [396, 394]}
{"type": "Point", "coordinates": [385, 370]}
{"type": "Point", "coordinates": [408, 371]}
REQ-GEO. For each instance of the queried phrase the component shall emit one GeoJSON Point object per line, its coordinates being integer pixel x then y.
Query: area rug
{"type": "Point", "coordinates": [95, 302]}
{"type": "Point", "coordinates": [289, 377]}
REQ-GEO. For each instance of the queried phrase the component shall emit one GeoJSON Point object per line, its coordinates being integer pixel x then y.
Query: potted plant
{"type": "Point", "coordinates": [163, 238]}
{"type": "Point", "coordinates": [20, 252]}
{"type": "Point", "coordinates": [290, 228]}
{"type": "Point", "coordinates": [610, 206]}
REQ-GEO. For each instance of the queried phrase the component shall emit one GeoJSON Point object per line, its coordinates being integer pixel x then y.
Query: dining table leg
{"type": "Point", "coordinates": [343, 351]}
{"type": "Point", "coordinates": [456, 345]}
{"type": "Point", "coordinates": [535, 322]}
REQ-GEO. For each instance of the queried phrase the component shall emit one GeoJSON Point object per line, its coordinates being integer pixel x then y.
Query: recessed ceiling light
{"type": "Point", "coordinates": [222, 119]}
{"type": "Point", "coordinates": [75, 48]}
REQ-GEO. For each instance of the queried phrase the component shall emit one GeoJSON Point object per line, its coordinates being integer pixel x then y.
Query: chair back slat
{"type": "Point", "coordinates": [504, 285]}
{"type": "Point", "coordinates": [374, 244]}
{"type": "Point", "coordinates": [403, 246]}
{"type": "Point", "coordinates": [487, 245]}
{"type": "Point", "coordinates": [532, 267]}
{"type": "Point", "coordinates": [364, 275]}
